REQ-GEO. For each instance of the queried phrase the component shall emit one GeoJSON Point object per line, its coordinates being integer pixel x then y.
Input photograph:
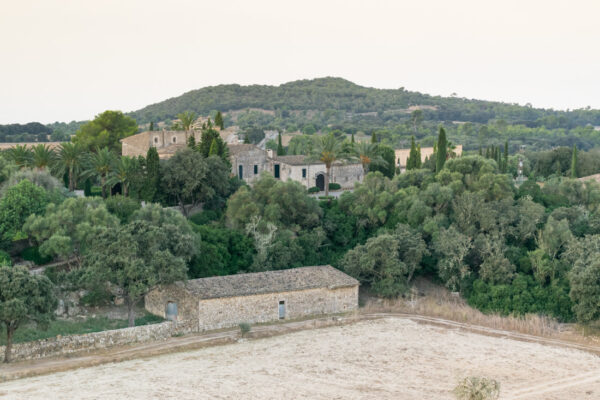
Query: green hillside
{"type": "Point", "coordinates": [337, 104]}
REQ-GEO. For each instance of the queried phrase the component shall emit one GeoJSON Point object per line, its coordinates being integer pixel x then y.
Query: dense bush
{"type": "Point", "coordinates": [33, 254]}
{"type": "Point", "coordinates": [5, 258]}
{"type": "Point", "coordinates": [334, 186]}
{"type": "Point", "coordinates": [314, 189]}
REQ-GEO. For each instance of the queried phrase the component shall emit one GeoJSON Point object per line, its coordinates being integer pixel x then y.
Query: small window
{"type": "Point", "coordinates": [155, 140]}
{"type": "Point", "coordinates": [277, 174]}
{"type": "Point", "coordinates": [255, 169]}
{"type": "Point", "coordinates": [171, 311]}
{"type": "Point", "coordinates": [241, 172]}
{"type": "Point", "coordinates": [174, 139]}
{"type": "Point", "coordinates": [304, 172]}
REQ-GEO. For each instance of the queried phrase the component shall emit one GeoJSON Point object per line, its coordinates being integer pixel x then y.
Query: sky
{"type": "Point", "coordinates": [64, 60]}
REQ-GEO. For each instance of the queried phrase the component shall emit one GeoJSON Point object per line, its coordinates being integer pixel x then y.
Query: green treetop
{"type": "Point", "coordinates": [441, 150]}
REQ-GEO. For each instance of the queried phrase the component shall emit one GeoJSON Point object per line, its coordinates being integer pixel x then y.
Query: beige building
{"type": "Point", "coordinates": [167, 142]}
{"type": "Point", "coordinates": [402, 155]}
{"type": "Point", "coordinates": [226, 301]}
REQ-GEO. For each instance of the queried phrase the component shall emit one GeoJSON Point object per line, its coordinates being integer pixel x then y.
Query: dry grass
{"type": "Point", "coordinates": [431, 300]}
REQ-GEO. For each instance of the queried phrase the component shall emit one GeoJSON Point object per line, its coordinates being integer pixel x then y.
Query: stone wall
{"type": "Point", "coordinates": [187, 305]}
{"type": "Point", "coordinates": [247, 160]}
{"type": "Point", "coordinates": [63, 345]}
{"type": "Point", "coordinates": [345, 175]}
{"type": "Point", "coordinates": [229, 312]}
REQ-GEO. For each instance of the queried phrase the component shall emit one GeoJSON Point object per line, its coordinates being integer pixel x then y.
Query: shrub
{"type": "Point", "coordinates": [335, 186]}
{"type": "Point", "coordinates": [314, 189]}
{"type": "Point", "coordinates": [96, 191]}
{"type": "Point", "coordinates": [122, 207]}
{"type": "Point", "coordinates": [244, 328]}
{"type": "Point", "coordinates": [33, 254]}
{"type": "Point", "coordinates": [5, 258]}
{"type": "Point", "coordinates": [204, 217]}
{"type": "Point", "coordinates": [477, 388]}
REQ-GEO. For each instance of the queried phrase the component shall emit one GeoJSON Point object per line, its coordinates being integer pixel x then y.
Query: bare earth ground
{"type": "Point", "coordinates": [391, 358]}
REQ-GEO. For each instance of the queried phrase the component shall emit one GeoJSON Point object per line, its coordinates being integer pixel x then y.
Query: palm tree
{"type": "Point", "coordinates": [187, 120]}
{"type": "Point", "coordinates": [43, 156]}
{"type": "Point", "coordinates": [20, 155]}
{"type": "Point", "coordinates": [124, 172]}
{"type": "Point", "coordinates": [102, 164]}
{"type": "Point", "coordinates": [70, 159]}
{"type": "Point", "coordinates": [328, 149]}
{"type": "Point", "coordinates": [368, 154]}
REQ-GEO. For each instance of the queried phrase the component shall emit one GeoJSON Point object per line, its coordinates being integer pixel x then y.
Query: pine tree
{"type": "Point", "coordinates": [219, 120]}
{"type": "Point", "coordinates": [280, 150]}
{"type": "Point", "coordinates": [214, 148]}
{"type": "Point", "coordinates": [441, 150]}
{"type": "Point", "coordinates": [574, 163]}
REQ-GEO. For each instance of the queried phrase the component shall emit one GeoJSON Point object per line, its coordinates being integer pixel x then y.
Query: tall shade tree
{"type": "Point", "coordinates": [105, 130]}
{"type": "Point", "coordinates": [17, 203]}
{"type": "Point", "coordinates": [153, 249]}
{"type": "Point", "coordinates": [328, 149]}
{"type": "Point", "coordinates": [68, 229]}
{"type": "Point", "coordinates": [101, 165]}
{"type": "Point", "coordinates": [43, 156]}
{"type": "Point", "coordinates": [20, 155]}
{"type": "Point", "coordinates": [368, 154]}
{"type": "Point", "coordinates": [187, 120]}
{"type": "Point", "coordinates": [441, 151]}
{"type": "Point", "coordinates": [70, 159]}
{"type": "Point", "coordinates": [24, 297]}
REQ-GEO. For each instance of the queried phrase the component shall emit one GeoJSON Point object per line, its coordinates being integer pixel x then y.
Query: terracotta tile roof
{"type": "Point", "coordinates": [324, 276]}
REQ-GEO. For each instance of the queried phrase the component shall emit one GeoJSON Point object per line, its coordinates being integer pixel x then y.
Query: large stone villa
{"type": "Point", "coordinates": [225, 301]}
{"type": "Point", "coordinates": [248, 161]}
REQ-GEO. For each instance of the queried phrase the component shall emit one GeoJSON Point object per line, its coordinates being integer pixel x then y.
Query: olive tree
{"type": "Point", "coordinates": [24, 297]}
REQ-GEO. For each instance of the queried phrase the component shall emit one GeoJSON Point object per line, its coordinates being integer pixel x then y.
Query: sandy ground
{"type": "Point", "coordinates": [380, 359]}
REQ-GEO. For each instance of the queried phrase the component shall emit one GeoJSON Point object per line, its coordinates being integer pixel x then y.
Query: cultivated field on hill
{"type": "Point", "coordinates": [390, 358]}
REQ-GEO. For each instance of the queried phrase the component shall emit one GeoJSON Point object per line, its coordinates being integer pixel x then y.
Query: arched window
{"type": "Point", "coordinates": [174, 139]}
{"type": "Point", "coordinates": [155, 140]}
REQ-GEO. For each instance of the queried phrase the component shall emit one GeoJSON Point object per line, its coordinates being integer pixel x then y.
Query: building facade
{"type": "Point", "coordinates": [226, 301]}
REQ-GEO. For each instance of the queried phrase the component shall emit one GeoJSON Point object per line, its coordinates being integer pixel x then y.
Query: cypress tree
{"type": "Point", "coordinates": [151, 126]}
{"type": "Point", "coordinates": [219, 120]}
{"type": "Point", "coordinates": [441, 150]}
{"type": "Point", "coordinates": [87, 188]}
{"type": "Point", "coordinates": [373, 138]}
{"type": "Point", "coordinates": [280, 150]}
{"type": "Point", "coordinates": [411, 161]}
{"type": "Point", "coordinates": [214, 148]}
{"type": "Point", "coordinates": [480, 151]}
{"type": "Point", "coordinates": [150, 188]}
{"type": "Point", "coordinates": [352, 139]}
{"type": "Point", "coordinates": [191, 142]}
{"type": "Point", "coordinates": [418, 162]}
{"type": "Point", "coordinates": [574, 163]}
{"type": "Point", "coordinates": [505, 163]}
{"type": "Point", "coordinates": [246, 139]}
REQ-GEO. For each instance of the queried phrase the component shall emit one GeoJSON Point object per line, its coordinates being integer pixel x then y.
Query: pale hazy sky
{"type": "Point", "coordinates": [69, 60]}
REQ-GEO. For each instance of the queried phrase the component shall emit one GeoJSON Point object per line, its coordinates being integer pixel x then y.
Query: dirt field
{"type": "Point", "coordinates": [380, 359]}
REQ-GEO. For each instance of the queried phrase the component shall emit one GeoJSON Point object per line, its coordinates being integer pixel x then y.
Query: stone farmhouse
{"type": "Point", "coordinates": [248, 161]}
{"type": "Point", "coordinates": [226, 301]}
{"type": "Point", "coordinates": [402, 155]}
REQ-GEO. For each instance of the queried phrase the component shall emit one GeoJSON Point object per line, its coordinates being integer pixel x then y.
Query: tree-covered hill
{"type": "Point", "coordinates": [344, 100]}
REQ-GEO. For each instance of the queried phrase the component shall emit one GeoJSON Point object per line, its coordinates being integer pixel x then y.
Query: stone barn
{"type": "Point", "coordinates": [226, 301]}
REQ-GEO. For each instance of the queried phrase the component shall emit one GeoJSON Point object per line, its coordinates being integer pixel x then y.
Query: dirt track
{"type": "Point", "coordinates": [415, 357]}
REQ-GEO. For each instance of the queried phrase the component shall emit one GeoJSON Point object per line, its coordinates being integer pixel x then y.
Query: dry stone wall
{"type": "Point", "coordinates": [63, 345]}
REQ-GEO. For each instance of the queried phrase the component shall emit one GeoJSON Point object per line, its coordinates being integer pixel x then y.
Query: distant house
{"type": "Point", "coordinates": [248, 161]}
{"type": "Point", "coordinates": [402, 155]}
{"type": "Point", "coordinates": [226, 301]}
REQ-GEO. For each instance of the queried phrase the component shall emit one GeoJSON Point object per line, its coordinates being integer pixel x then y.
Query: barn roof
{"type": "Point", "coordinates": [324, 276]}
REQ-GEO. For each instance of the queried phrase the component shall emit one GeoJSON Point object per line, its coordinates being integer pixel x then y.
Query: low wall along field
{"type": "Point", "coordinates": [63, 345]}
